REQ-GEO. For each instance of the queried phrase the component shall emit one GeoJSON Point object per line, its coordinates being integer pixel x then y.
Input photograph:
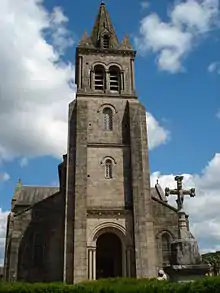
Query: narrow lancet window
{"type": "Point", "coordinates": [108, 169]}
{"type": "Point", "coordinates": [107, 119]}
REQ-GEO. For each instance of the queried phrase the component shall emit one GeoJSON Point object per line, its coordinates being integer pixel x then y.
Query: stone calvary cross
{"type": "Point", "coordinates": [180, 192]}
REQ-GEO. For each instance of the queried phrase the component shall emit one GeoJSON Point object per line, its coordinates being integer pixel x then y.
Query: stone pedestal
{"type": "Point", "coordinates": [185, 252]}
{"type": "Point", "coordinates": [186, 273]}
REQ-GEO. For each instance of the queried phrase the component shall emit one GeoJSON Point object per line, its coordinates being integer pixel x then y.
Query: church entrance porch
{"type": "Point", "coordinates": [109, 251]}
{"type": "Point", "coordinates": [108, 256]}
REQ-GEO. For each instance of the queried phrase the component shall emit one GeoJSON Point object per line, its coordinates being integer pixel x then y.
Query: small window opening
{"type": "Point", "coordinates": [99, 79]}
{"type": "Point", "coordinates": [107, 119]}
{"type": "Point", "coordinates": [108, 169]}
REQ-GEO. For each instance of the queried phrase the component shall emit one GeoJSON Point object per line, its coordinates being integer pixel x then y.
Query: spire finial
{"type": "Point", "coordinates": [102, 3]}
{"type": "Point", "coordinates": [157, 180]}
{"type": "Point", "coordinates": [18, 185]}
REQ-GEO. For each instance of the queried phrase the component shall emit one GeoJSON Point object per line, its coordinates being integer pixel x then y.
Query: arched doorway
{"type": "Point", "coordinates": [108, 256]}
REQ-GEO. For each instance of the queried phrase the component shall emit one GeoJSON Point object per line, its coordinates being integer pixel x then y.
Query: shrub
{"type": "Point", "coordinates": [118, 285]}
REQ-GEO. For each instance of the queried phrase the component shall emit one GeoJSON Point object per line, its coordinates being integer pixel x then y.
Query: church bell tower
{"type": "Point", "coordinates": [108, 215]}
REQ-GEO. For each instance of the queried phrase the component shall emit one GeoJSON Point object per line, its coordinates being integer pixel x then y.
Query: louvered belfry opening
{"type": "Point", "coordinates": [106, 42]}
{"type": "Point", "coordinates": [99, 78]}
{"type": "Point", "coordinates": [115, 82]}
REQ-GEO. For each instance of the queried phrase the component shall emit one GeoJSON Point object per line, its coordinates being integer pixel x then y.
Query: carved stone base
{"type": "Point", "coordinates": [186, 273]}
{"type": "Point", "coordinates": [185, 252]}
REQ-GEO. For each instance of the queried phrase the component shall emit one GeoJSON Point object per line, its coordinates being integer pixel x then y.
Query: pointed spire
{"type": "Point", "coordinates": [126, 44]}
{"type": "Point", "coordinates": [85, 40]}
{"type": "Point", "coordinates": [103, 26]}
{"type": "Point", "coordinates": [84, 37]}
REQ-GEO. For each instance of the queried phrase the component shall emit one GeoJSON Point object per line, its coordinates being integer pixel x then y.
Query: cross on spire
{"type": "Point", "coordinates": [180, 192]}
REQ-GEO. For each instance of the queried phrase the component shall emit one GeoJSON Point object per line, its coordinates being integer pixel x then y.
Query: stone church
{"type": "Point", "coordinates": [104, 220]}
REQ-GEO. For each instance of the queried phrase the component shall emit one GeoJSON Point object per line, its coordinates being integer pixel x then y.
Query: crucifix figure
{"type": "Point", "coordinates": [180, 192]}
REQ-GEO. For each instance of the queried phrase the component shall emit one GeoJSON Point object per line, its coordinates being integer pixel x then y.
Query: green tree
{"type": "Point", "coordinates": [213, 258]}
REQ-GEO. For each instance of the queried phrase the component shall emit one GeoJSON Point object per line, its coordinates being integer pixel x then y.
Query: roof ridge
{"type": "Point", "coordinates": [40, 186]}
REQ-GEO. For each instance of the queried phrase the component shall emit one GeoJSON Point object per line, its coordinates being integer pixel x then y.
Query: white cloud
{"type": "Point", "coordinates": [198, 16]}
{"type": "Point", "coordinates": [34, 83]}
{"type": "Point", "coordinates": [204, 208]}
{"type": "Point", "coordinates": [157, 135]}
{"type": "Point", "coordinates": [172, 41]}
{"type": "Point", "coordinates": [61, 37]}
{"type": "Point", "coordinates": [3, 224]}
{"type": "Point", "coordinates": [23, 162]}
{"type": "Point", "coordinates": [214, 67]}
{"type": "Point", "coordinates": [4, 176]}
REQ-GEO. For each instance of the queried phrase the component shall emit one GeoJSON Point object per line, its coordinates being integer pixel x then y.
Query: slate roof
{"type": "Point", "coordinates": [29, 195]}
{"type": "Point", "coordinates": [154, 193]}
{"type": "Point", "coordinates": [157, 192]}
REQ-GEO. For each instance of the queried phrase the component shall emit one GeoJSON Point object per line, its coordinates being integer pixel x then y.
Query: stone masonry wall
{"type": "Point", "coordinates": [144, 237]}
{"type": "Point", "coordinates": [45, 218]}
{"type": "Point", "coordinates": [75, 251]}
{"type": "Point", "coordinates": [165, 220]}
{"type": "Point", "coordinates": [113, 144]}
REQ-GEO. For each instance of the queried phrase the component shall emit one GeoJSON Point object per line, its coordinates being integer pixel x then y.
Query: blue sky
{"type": "Point", "coordinates": [177, 79]}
